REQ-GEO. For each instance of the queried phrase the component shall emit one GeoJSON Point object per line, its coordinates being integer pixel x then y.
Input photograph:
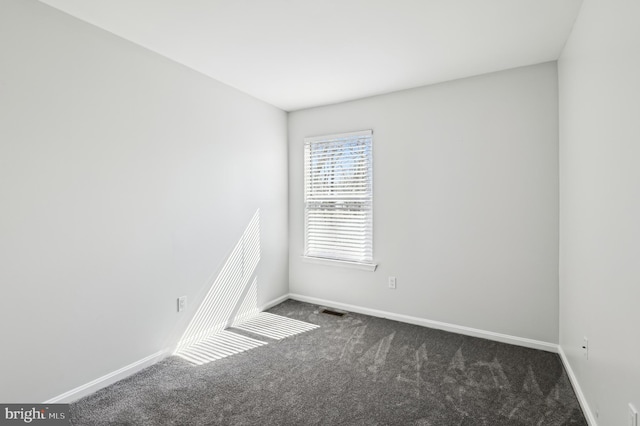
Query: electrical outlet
{"type": "Point", "coordinates": [633, 415]}
{"type": "Point", "coordinates": [585, 347]}
{"type": "Point", "coordinates": [182, 303]}
{"type": "Point", "coordinates": [392, 283]}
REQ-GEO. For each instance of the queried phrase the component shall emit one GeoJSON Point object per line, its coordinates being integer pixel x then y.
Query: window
{"type": "Point", "coordinates": [338, 196]}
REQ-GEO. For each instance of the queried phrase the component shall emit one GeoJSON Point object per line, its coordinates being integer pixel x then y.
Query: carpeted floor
{"type": "Point", "coordinates": [352, 370]}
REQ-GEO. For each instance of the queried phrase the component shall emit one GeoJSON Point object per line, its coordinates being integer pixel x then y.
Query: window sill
{"type": "Point", "coordinates": [331, 262]}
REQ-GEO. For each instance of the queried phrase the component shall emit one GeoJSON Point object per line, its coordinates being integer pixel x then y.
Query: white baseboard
{"type": "Point", "coordinates": [505, 338]}
{"type": "Point", "coordinates": [274, 302]}
{"type": "Point", "coordinates": [108, 379]}
{"type": "Point", "coordinates": [577, 389]}
{"type": "Point", "coordinates": [490, 335]}
{"type": "Point", "coordinates": [130, 369]}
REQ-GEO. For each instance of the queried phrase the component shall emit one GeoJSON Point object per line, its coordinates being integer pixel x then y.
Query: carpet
{"type": "Point", "coordinates": [351, 370]}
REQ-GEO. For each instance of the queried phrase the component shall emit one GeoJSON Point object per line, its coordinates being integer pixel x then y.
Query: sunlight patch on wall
{"type": "Point", "coordinates": [249, 306]}
{"type": "Point", "coordinates": [274, 326]}
{"type": "Point", "coordinates": [218, 346]}
{"type": "Point", "coordinates": [230, 292]}
{"type": "Point", "coordinates": [232, 300]}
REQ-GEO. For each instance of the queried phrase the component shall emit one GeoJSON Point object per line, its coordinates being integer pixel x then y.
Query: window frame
{"type": "Point", "coordinates": [367, 264]}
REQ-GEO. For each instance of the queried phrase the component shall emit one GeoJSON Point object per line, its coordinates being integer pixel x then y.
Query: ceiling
{"type": "Point", "coordinates": [298, 54]}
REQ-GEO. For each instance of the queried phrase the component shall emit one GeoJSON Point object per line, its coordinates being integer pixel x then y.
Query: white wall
{"type": "Point", "coordinates": [599, 86]}
{"type": "Point", "coordinates": [125, 181]}
{"type": "Point", "coordinates": [465, 203]}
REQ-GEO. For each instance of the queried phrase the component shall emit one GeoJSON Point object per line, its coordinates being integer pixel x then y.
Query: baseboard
{"type": "Point", "coordinates": [586, 410]}
{"type": "Point", "coordinates": [490, 335]}
{"type": "Point", "coordinates": [130, 369]}
{"type": "Point", "coordinates": [504, 338]}
{"type": "Point", "coordinates": [108, 379]}
{"type": "Point", "coordinates": [274, 302]}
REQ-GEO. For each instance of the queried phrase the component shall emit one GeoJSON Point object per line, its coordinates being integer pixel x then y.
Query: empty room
{"type": "Point", "coordinates": [338, 212]}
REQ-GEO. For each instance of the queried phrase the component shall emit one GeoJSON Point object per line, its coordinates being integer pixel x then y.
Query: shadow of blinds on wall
{"type": "Point", "coordinates": [338, 195]}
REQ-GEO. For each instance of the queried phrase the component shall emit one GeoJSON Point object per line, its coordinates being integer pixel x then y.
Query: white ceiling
{"type": "Point", "coordinates": [302, 53]}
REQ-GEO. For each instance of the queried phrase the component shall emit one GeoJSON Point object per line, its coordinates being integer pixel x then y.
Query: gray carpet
{"type": "Point", "coordinates": [352, 370]}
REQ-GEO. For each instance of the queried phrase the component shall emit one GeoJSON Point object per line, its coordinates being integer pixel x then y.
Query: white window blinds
{"type": "Point", "coordinates": [338, 195]}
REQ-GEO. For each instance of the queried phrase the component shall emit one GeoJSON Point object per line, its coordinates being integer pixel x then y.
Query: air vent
{"type": "Point", "coordinates": [332, 312]}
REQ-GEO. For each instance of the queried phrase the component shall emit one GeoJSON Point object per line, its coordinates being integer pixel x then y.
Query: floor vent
{"type": "Point", "coordinates": [332, 312]}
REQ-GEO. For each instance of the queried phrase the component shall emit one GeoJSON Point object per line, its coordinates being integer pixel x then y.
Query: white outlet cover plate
{"type": "Point", "coordinates": [182, 303]}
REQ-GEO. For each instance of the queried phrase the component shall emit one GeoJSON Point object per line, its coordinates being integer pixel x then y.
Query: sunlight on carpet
{"type": "Point", "coordinates": [274, 326]}
{"type": "Point", "coordinates": [218, 346]}
{"type": "Point", "coordinates": [226, 343]}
